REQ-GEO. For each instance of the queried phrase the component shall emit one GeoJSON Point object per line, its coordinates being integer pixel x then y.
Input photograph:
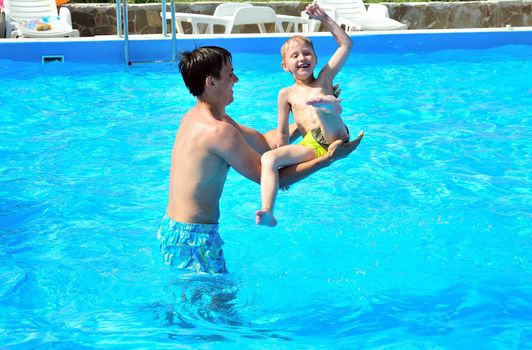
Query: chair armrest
{"type": "Point", "coordinates": [293, 19]}
{"type": "Point", "coordinates": [184, 16]}
{"type": "Point", "coordinates": [293, 23]}
{"type": "Point", "coordinates": [197, 18]}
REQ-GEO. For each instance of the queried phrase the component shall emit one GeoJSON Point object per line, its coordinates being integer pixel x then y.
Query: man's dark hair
{"type": "Point", "coordinates": [197, 65]}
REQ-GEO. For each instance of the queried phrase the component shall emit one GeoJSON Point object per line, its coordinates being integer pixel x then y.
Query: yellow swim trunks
{"type": "Point", "coordinates": [315, 139]}
{"type": "Point", "coordinates": [311, 140]}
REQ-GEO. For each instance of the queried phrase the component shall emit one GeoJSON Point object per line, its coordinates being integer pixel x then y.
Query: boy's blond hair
{"type": "Point", "coordinates": [296, 39]}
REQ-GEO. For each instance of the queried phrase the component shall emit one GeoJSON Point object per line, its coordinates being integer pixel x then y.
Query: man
{"type": "Point", "coordinates": [207, 144]}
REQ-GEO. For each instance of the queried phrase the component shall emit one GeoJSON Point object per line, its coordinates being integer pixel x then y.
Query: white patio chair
{"type": "Point", "coordinates": [352, 15]}
{"type": "Point", "coordinates": [229, 16]}
{"type": "Point", "coordinates": [37, 19]}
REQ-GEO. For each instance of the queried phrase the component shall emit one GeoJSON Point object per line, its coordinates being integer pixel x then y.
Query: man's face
{"type": "Point", "coordinates": [224, 85]}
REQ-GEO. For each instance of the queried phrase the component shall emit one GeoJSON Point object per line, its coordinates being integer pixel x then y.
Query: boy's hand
{"type": "Point", "coordinates": [315, 12]}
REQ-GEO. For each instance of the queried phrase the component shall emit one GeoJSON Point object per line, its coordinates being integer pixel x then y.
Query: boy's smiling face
{"type": "Point", "coordinates": [300, 60]}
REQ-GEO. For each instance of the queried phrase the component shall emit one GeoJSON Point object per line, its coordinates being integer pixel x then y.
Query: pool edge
{"type": "Point", "coordinates": [148, 48]}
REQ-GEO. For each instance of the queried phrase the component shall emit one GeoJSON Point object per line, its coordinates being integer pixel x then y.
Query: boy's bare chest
{"type": "Point", "coordinates": [299, 96]}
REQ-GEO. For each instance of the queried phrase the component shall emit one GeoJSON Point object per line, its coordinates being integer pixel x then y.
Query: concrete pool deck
{"type": "Point", "coordinates": [155, 47]}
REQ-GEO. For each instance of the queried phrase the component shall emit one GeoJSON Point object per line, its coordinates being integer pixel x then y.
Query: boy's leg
{"type": "Point", "coordinates": [271, 161]}
{"type": "Point", "coordinates": [328, 109]}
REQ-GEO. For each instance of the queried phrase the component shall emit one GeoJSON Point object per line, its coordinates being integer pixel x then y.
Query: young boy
{"type": "Point", "coordinates": [315, 110]}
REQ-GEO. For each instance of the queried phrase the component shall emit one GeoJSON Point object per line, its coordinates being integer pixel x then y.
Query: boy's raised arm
{"type": "Point", "coordinates": [344, 41]}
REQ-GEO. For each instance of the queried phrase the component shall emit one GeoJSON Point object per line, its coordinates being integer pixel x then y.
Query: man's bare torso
{"type": "Point", "coordinates": [197, 175]}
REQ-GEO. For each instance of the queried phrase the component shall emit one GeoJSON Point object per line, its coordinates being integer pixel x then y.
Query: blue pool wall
{"type": "Point", "coordinates": [112, 50]}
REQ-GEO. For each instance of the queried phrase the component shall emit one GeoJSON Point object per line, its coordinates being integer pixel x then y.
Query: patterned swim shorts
{"type": "Point", "coordinates": [192, 246]}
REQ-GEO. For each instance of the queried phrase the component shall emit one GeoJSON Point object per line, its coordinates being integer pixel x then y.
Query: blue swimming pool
{"type": "Point", "coordinates": [419, 240]}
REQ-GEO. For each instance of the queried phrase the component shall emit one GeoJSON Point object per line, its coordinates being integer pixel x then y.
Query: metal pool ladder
{"type": "Point", "coordinates": [123, 23]}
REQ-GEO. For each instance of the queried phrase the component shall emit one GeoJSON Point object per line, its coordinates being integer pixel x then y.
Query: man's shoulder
{"type": "Point", "coordinates": [217, 133]}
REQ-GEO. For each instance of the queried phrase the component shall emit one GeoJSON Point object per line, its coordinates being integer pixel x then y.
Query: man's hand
{"type": "Point", "coordinates": [336, 91]}
{"type": "Point", "coordinates": [338, 149]}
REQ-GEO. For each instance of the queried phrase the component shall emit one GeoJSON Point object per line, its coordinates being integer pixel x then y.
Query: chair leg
{"type": "Point", "coordinates": [289, 27]}
{"type": "Point", "coordinates": [179, 27]}
{"type": "Point", "coordinates": [195, 29]}
{"type": "Point", "coordinates": [203, 28]}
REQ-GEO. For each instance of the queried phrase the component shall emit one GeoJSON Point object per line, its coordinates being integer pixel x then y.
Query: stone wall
{"type": "Point", "coordinates": [100, 19]}
{"type": "Point", "coordinates": [455, 15]}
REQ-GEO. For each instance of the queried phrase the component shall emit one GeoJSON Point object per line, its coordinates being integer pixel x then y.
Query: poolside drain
{"type": "Point", "coordinates": [52, 58]}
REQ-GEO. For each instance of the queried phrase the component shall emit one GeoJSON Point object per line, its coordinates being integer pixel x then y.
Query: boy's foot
{"type": "Point", "coordinates": [265, 218]}
{"type": "Point", "coordinates": [329, 102]}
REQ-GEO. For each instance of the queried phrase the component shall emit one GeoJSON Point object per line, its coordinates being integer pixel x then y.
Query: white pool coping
{"type": "Point", "coordinates": [266, 35]}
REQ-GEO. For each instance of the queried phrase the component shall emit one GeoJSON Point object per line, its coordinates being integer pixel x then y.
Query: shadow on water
{"type": "Point", "coordinates": [14, 236]}
{"type": "Point", "coordinates": [205, 308]}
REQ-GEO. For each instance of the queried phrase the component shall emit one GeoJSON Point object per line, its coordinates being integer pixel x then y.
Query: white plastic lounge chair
{"type": "Point", "coordinates": [352, 15]}
{"type": "Point", "coordinates": [37, 19]}
{"type": "Point", "coordinates": [229, 16]}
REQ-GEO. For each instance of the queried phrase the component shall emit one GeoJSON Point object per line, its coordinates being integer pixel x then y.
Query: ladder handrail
{"type": "Point", "coordinates": [125, 21]}
{"type": "Point", "coordinates": [163, 17]}
{"type": "Point", "coordinates": [126, 34]}
{"type": "Point", "coordinates": [118, 19]}
{"type": "Point", "coordinates": [174, 39]}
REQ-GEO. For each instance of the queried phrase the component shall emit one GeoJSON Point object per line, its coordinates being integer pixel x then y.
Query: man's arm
{"type": "Point", "coordinates": [234, 148]}
{"type": "Point", "coordinates": [337, 150]}
{"type": "Point", "coordinates": [267, 141]}
{"type": "Point", "coordinates": [260, 143]}
{"type": "Point", "coordinates": [231, 146]}
{"type": "Point", "coordinates": [293, 133]}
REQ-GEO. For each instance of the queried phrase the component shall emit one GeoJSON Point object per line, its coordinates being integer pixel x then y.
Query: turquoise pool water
{"type": "Point", "coordinates": [419, 240]}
